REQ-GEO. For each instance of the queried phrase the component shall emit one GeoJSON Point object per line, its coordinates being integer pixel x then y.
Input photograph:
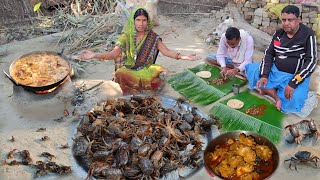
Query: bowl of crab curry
{"type": "Point", "coordinates": [241, 155]}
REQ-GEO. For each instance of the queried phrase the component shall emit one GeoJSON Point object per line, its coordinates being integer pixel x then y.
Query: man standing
{"type": "Point", "coordinates": [291, 57]}
{"type": "Point", "coordinates": [234, 52]}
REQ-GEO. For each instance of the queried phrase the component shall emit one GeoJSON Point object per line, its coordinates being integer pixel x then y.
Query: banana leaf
{"type": "Point", "coordinates": [194, 88]}
{"type": "Point", "coordinates": [200, 90]}
{"type": "Point", "coordinates": [269, 124]}
{"type": "Point", "coordinates": [215, 73]}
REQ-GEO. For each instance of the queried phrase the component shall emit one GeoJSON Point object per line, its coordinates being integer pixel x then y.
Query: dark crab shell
{"type": "Point", "coordinates": [303, 155]}
{"type": "Point", "coordinates": [312, 126]}
{"type": "Point", "coordinates": [83, 165]}
{"type": "Point", "coordinates": [294, 131]}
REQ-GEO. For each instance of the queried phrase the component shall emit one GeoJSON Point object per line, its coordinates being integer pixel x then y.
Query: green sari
{"type": "Point", "coordinates": [136, 72]}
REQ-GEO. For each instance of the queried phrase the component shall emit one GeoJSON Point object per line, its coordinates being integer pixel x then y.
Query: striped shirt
{"type": "Point", "coordinates": [296, 55]}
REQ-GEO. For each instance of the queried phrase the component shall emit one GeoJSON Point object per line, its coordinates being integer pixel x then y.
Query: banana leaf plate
{"type": "Point", "coordinates": [269, 124]}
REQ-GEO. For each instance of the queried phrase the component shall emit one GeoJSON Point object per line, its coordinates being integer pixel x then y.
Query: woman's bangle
{"type": "Point", "coordinates": [177, 56]}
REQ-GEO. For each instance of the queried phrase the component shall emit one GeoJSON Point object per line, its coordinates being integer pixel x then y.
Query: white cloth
{"type": "Point", "coordinates": [310, 103]}
{"type": "Point", "coordinates": [243, 47]}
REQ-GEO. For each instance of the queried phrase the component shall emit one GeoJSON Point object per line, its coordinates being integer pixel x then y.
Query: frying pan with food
{"type": "Point", "coordinates": [39, 71]}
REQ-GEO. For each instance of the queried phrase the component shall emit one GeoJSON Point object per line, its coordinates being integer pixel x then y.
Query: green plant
{"type": "Point", "coordinates": [36, 8]}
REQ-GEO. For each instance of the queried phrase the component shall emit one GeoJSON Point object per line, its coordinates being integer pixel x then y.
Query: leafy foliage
{"type": "Point", "coordinates": [268, 125]}
{"type": "Point", "coordinates": [200, 90]}
{"type": "Point", "coordinates": [37, 7]}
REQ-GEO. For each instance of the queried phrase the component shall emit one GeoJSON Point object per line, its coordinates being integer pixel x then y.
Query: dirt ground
{"type": "Point", "coordinates": [22, 112]}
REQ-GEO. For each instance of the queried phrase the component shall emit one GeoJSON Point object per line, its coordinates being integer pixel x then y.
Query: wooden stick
{"type": "Point", "coordinates": [94, 86]}
{"type": "Point", "coordinates": [27, 10]}
{"type": "Point", "coordinates": [191, 4]}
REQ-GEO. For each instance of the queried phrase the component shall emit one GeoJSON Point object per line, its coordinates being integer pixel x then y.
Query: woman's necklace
{"type": "Point", "coordinates": [139, 39]}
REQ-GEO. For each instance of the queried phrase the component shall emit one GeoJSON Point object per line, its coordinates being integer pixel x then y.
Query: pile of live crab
{"type": "Point", "coordinates": [137, 137]}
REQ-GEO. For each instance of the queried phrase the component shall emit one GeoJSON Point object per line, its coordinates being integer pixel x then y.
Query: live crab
{"type": "Point", "coordinates": [294, 131]}
{"type": "Point", "coordinates": [302, 157]}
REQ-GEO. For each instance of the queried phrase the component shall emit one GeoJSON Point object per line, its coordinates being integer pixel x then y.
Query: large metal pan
{"type": "Point", "coordinates": [37, 88]}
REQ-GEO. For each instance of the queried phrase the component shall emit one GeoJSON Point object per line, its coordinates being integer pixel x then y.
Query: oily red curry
{"type": "Point", "coordinates": [241, 159]}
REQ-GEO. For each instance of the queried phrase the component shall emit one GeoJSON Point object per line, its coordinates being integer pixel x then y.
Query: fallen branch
{"type": "Point", "coordinates": [94, 86]}
{"type": "Point", "coordinates": [193, 4]}
{"type": "Point", "coordinates": [27, 10]}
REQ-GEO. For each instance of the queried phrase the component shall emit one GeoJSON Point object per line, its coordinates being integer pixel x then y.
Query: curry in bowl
{"type": "Point", "coordinates": [241, 156]}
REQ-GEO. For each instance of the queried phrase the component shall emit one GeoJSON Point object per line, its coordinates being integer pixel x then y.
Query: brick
{"type": "Point", "coordinates": [305, 15]}
{"type": "Point", "coordinates": [315, 27]}
{"type": "Point", "coordinates": [251, 13]}
{"type": "Point", "coordinates": [315, 9]}
{"type": "Point", "coordinates": [247, 17]}
{"type": "Point", "coordinates": [274, 24]}
{"type": "Point", "coordinates": [258, 18]}
{"type": "Point", "coordinates": [247, 4]}
{"type": "Point", "coordinates": [270, 30]}
{"type": "Point", "coordinates": [313, 15]}
{"type": "Point", "coordinates": [255, 25]}
{"type": "Point", "coordinates": [266, 19]}
{"type": "Point", "coordinates": [256, 21]}
{"type": "Point", "coordinates": [245, 9]}
{"type": "Point", "coordinates": [275, 21]}
{"type": "Point", "coordinates": [313, 20]}
{"type": "Point", "coordinates": [250, 10]}
{"type": "Point", "coordinates": [305, 20]}
{"type": "Point", "coordinates": [265, 23]}
{"type": "Point", "coordinates": [254, 5]}
{"type": "Point", "coordinates": [305, 10]}
{"type": "Point", "coordinates": [258, 12]}
{"type": "Point", "coordinates": [265, 14]}
{"type": "Point", "coordinates": [263, 4]}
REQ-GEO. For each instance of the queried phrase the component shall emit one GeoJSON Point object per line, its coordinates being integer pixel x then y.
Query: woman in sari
{"type": "Point", "coordinates": [138, 47]}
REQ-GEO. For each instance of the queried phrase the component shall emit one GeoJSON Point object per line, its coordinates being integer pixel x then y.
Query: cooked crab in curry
{"type": "Point", "coordinates": [241, 158]}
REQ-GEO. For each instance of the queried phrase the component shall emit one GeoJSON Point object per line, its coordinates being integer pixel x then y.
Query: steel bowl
{"type": "Point", "coordinates": [223, 138]}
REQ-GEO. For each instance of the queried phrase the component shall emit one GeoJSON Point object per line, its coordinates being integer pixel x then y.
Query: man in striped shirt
{"type": "Point", "coordinates": [284, 73]}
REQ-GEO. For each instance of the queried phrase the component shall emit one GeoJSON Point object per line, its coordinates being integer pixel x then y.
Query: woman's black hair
{"type": "Point", "coordinates": [291, 9]}
{"type": "Point", "coordinates": [141, 12]}
{"type": "Point", "coordinates": [232, 33]}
